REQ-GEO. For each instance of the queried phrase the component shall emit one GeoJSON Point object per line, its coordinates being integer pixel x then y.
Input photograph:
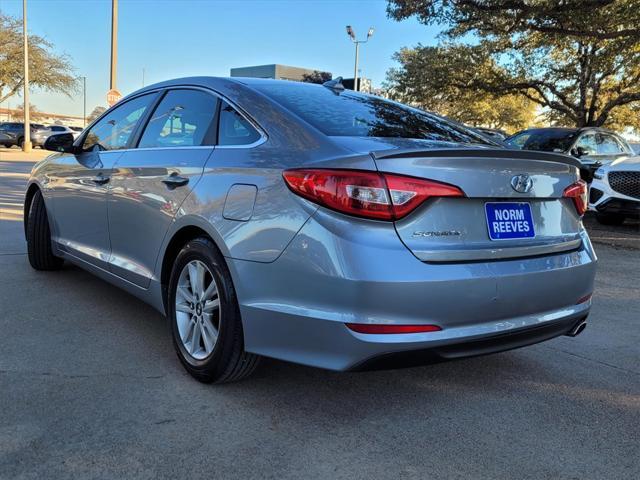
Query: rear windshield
{"type": "Point", "coordinates": [352, 114]}
{"type": "Point", "coordinates": [544, 140]}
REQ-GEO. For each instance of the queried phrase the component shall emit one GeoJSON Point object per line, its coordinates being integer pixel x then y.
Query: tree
{"type": "Point", "coordinates": [578, 59]}
{"type": "Point", "coordinates": [317, 77]}
{"type": "Point", "coordinates": [34, 113]}
{"type": "Point", "coordinates": [95, 113]}
{"type": "Point", "coordinates": [437, 92]}
{"type": "Point", "coordinates": [47, 70]}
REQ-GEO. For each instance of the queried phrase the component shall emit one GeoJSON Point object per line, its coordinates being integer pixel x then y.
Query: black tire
{"type": "Point", "coordinates": [39, 237]}
{"type": "Point", "coordinates": [21, 143]}
{"type": "Point", "coordinates": [228, 361]}
{"type": "Point", "coordinates": [610, 218]}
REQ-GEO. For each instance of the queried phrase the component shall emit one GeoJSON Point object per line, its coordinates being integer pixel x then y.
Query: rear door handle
{"type": "Point", "coordinates": [100, 179]}
{"type": "Point", "coordinates": [174, 180]}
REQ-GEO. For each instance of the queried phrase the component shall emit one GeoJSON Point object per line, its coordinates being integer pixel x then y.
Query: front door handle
{"type": "Point", "coordinates": [174, 180]}
{"type": "Point", "coordinates": [100, 179]}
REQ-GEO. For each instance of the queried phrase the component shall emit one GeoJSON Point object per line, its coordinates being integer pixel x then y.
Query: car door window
{"type": "Point", "coordinates": [234, 129]}
{"type": "Point", "coordinates": [184, 118]}
{"type": "Point", "coordinates": [114, 130]}
{"type": "Point", "coordinates": [609, 145]}
{"type": "Point", "coordinates": [589, 143]}
{"type": "Point", "coordinates": [58, 129]}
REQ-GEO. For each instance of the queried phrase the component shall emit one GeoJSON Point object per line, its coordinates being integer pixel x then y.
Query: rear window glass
{"type": "Point", "coordinates": [349, 113]}
{"type": "Point", "coordinates": [544, 140]}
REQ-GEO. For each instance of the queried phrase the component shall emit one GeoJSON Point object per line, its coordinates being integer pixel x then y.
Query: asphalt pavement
{"type": "Point", "coordinates": [91, 388]}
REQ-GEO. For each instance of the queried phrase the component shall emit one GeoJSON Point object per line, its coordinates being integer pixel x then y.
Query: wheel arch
{"type": "Point", "coordinates": [180, 236]}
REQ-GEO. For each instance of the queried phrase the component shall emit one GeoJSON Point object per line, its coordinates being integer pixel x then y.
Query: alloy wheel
{"type": "Point", "coordinates": [198, 313]}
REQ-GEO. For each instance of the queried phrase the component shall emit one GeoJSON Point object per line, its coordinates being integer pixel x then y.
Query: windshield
{"type": "Point", "coordinates": [349, 114]}
{"type": "Point", "coordinates": [545, 140]}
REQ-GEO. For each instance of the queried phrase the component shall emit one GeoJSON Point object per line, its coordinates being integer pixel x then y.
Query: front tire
{"type": "Point", "coordinates": [610, 218]}
{"type": "Point", "coordinates": [41, 256]}
{"type": "Point", "coordinates": [204, 316]}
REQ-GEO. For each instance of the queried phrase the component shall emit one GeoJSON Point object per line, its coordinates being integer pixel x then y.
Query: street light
{"type": "Point", "coordinates": [352, 36]}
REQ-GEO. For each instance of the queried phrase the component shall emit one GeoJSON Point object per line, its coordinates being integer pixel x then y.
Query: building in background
{"type": "Point", "coordinates": [15, 115]}
{"type": "Point", "coordinates": [276, 71]}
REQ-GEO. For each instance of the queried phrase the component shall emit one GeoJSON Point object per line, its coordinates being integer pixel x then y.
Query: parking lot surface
{"type": "Point", "coordinates": [91, 388]}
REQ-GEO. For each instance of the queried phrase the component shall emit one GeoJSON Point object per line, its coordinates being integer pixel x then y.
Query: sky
{"type": "Point", "coordinates": [178, 38]}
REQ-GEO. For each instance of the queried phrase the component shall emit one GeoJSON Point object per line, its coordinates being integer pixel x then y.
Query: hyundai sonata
{"type": "Point", "coordinates": [314, 224]}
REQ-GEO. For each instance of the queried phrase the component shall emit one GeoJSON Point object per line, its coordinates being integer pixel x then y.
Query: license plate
{"type": "Point", "coordinates": [509, 220]}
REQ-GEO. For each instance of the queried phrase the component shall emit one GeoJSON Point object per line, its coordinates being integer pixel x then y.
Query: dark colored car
{"type": "Point", "coordinates": [593, 146]}
{"type": "Point", "coordinates": [12, 133]}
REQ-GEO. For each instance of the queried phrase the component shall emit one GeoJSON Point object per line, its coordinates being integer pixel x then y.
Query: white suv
{"type": "Point", "coordinates": [615, 191]}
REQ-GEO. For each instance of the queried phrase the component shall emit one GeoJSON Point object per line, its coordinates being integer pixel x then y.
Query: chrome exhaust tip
{"type": "Point", "coordinates": [577, 329]}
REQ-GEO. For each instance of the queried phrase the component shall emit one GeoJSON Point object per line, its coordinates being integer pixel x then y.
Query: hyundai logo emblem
{"type": "Point", "coordinates": [521, 183]}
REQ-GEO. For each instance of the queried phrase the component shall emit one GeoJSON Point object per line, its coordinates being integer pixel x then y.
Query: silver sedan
{"type": "Point", "coordinates": [316, 225]}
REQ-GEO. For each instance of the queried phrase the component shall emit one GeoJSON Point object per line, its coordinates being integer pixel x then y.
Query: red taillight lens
{"type": "Point", "coordinates": [390, 329]}
{"type": "Point", "coordinates": [578, 193]}
{"type": "Point", "coordinates": [380, 196]}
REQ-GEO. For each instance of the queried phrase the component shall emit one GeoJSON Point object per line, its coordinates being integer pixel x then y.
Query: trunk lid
{"type": "Point", "coordinates": [457, 229]}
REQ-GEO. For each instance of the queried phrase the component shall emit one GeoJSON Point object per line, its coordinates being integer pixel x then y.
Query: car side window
{"type": "Point", "coordinates": [609, 145]}
{"type": "Point", "coordinates": [182, 119]}
{"type": "Point", "coordinates": [589, 143]}
{"type": "Point", "coordinates": [114, 130]}
{"type": "Point", "coordinates": [234, 129]}
{"type": "Point", "coordinates": [55, 128]}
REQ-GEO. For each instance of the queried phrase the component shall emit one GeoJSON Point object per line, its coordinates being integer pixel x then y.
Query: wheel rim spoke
{"type": "Point", "coordinates": [211, 305]}
{"type": "Point", "coordinates": [197, 309]}
{"type": "Point", "coordinates": [195, 338]}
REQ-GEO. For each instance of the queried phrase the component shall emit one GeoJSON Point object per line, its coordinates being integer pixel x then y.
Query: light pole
{"type": "Point", "coordinates": [114, 43]}
{"type": "Point", "coordinates": [352, 36]}
{"type": "Point", "coordinates": [26, 146]}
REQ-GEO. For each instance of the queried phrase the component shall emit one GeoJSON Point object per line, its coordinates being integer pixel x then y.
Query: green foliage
{"type": "Point", "coordinates": [47, 70]}
{"type": "Point", "coordinates": [579, 60]}
{"type": "Point", "coordinates": [316, 77]}
{"type": "Point", "coordinates": [425, 80]}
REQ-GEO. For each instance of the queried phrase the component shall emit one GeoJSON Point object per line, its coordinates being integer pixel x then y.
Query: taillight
{"type": "Point", "coordinates": [379, 328]}
{"type": "Point", "coordinates": [380, 196]}
{"type": "Point", "coordinates": [578, 193]}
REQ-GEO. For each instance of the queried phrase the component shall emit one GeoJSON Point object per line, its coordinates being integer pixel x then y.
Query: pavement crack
{"type": "Point", "coordinates": [600, 362]}
{"type": "Point", "coordinates": [74, 376]}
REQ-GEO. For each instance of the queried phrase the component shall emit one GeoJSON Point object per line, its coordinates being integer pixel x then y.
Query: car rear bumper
{"type": "Point", "coordinates": [297, 307]}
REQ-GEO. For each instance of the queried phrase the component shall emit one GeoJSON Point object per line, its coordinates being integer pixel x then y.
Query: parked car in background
{"type": "Point", "coordinates": [314, 224]}
{"type": "Point", "coordinates": [12, 133]}
{"type": "Point", "coordinates": [40, 136]}
{"type": "Point", "coordinates": [592, 146]}
{"type": "Point", "coordinates": [615, 191]}
{"type": "Point", "coordinates": [494, 133]}
{"type": "Point", "coordinates": [76, 131]}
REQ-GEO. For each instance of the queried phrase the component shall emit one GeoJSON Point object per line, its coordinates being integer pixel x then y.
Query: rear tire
{"type": "Point", "coordinates": [610, 218]}
{"type": "Point", "coordinates": [41, 256]}
{"type": "Point", "coordinates": [21, 143]}
{"type": "Point", "coordinates": [226, 360]}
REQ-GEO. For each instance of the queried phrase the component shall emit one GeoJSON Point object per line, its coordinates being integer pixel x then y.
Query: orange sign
{"type": "Point", "coordinates": [113, 97]}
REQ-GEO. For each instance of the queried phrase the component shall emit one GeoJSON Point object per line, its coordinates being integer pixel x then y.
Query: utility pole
{"type": "Point", "coordinates": [114, 43]}
{"type": "Point", "coordinates": [352, 36]}
{"type": "Point", "coordinates": [26, 147]}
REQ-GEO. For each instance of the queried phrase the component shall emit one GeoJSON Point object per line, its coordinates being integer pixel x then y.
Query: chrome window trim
{"type": "Point", "coordinates": [263, 134]}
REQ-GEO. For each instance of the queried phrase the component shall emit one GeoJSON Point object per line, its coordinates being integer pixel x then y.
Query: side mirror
{"type": "Point", "coordinates": [579, 152]}
{"type": "Point", "coordinates": [60, 142]}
